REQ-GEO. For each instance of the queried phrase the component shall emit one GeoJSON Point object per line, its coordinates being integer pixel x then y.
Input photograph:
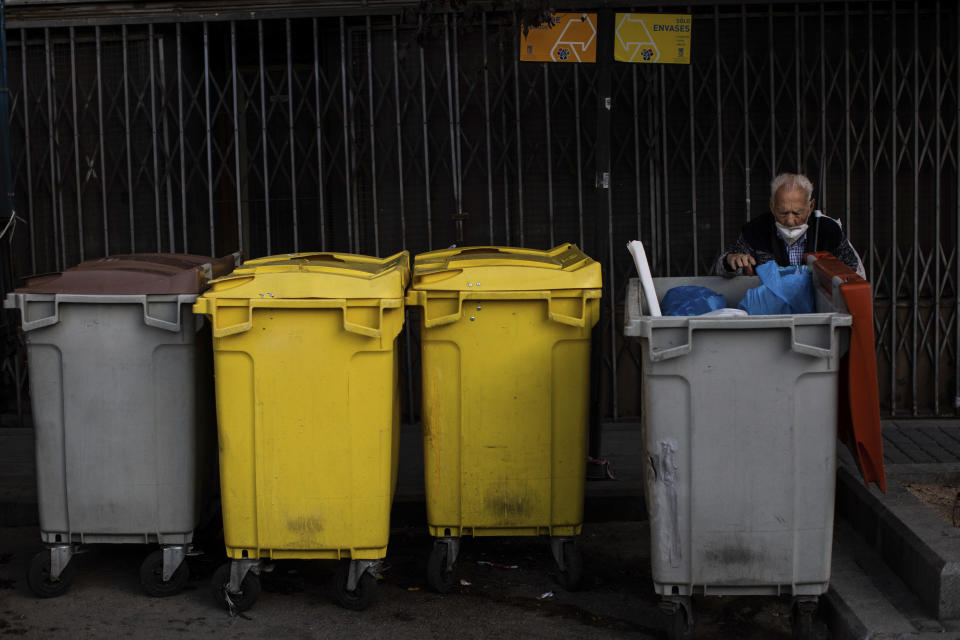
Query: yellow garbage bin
{"type": "Point", "coordinates": [308, 415]}
{"type": "Point", "coordinates": [506, 387]}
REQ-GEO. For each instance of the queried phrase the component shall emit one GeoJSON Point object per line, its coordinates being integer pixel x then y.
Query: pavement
{"type": "Point", "coordinates": [896, 561]}
{"type": "Point", "coordinates": [896, 566]}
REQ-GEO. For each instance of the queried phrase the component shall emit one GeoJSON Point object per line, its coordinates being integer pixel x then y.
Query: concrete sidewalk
{"type": "Point", "coordinates": [896, 562]}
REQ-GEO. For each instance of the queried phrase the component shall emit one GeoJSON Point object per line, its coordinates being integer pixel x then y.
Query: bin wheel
{"type": "Point", "coordinates": [361, 597]}
{"type": "Point", "coordinates": [439, 577]}
{"type": "Point", "coordinates": [249, 589]}
{"type": "Point", "coordinates": [39, 577]}
{"type": "Point", "coordinates": [801, 621]}
{"type": "Point", "coordinates": [151, 576]}
{"type": "Point", "coordinates": [678, 626]}
{"type": "Point", "coordinates": [570, 576]}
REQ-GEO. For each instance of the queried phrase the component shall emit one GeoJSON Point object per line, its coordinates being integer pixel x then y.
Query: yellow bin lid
{"type": "Point", "coordinates": [505, 269]}
{"type": "Point", "coordinates": [316, 275]}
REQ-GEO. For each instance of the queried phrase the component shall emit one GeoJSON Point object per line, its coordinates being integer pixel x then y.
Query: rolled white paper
{"type": "Point", "coordinates": [635, 247]}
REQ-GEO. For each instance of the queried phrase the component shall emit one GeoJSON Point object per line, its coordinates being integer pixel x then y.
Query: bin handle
{"type": "Point", "coordinates": [808, 349]}
{"type": "Point", "coordinates": [19, 302]}
{"type": "Point", "coordinates": [442, 320]}
{"type": "Point", "coordinates": [159, 323]}
{"type": "Point", "coordinates": [573, 321]}
{"type": "Point", "coordinates": [22, 301]}
{"type": "Point", "coordinates": [657, 354]}
{"type": "Point", "coordinates": [428, 321]}
{"type": "Point", "coordinates": [209, 306]}
{"type": "Point", "coordinates": [363, 330]}
{"type": "Point", "coordinates": [320, 303]}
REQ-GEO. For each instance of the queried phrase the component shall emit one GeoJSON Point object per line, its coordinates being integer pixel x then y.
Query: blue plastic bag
{"type": "Point", "coordinates": [691, 301]}
{"type": "Point", "coordinates": [785, 290]}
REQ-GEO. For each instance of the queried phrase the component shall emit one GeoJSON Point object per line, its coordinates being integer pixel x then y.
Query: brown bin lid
{"type": "Point", "coordinates": [136, 274]}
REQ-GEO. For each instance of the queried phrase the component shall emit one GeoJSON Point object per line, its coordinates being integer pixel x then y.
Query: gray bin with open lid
{"type": "Point", "coordinates": [740, 446]}
{"type": "Point", "coordinates": [122, 398]}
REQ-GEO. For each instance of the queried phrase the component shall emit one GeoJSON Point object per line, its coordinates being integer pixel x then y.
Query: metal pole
{"type": "Point", "coordinates": [209, 138]}
{"type": "Point", "coordinates": [454, 169]}
{"type": "Point", "coordinates": [823, 117]}
{"type": "Point", "coordinates": [352, 149]}
{"type": "Point", "coordinates": [654, 169]}
{"type": "Point", "coordinates": [796, 80]}
{"type": "Point", "coordinates": [917, 161]}
{"type": "Point", "coordinates": [546, 109]}
{"type": "Point", "coordinates": [263, 137]}
{"type": "Point", "coordinates": [321, 191]}
{"type": "Point", "coordinates": [747, 160]}
{"type": "Point", "coordinates": [54, 151]}
{"type": "Point", "coordinates": [576, 115]}
{"type": "Point", "coordinates": [956, 214]}
{"type": "Point", "coordinates": [7, 193]}
{"type": "Point", "coordinates": [126, 128]}
{"type": "Point", "coordinates": [636, 150]}
{"type": "Point", "coordinates": [153, 132]}
{"type": "Point", "coordinates": [693, 156]}
{"type": "Point", "coordinates": [936, 243]}
{"type": "Point", "coordinates": [456, 110]}
{"type": "Point", "coordinates": [6, 181]}
{"type": "Point", "coordinates": [400, 185]}
{"type": "Point", "coordinates": [183, 164]}
{"type": "Point", "coordinates": [604, 73]}
{"type": "Point", "coordinates": [168, 179]}
{"type": "Point", "coordinates": [486, 119]}
{"type": "Point", "coordinates": [503, 131]}
{"type": "Point", "coordinates": [846, 111]}
{"type": "Point", "coordinates": [871, 158]}
{"type": "Point", "coordinates": [76, 141]}
{"type": "Point", "coordinates": [895, 253]}
{"type": "Point", "coordinates": [772, 93]}
{"type": "Point", "coordinates": [28, 145]}
{"type": "Point", "coordinates": [426, 145]}
{"type": "Point", "coordinates": [346, 135]}
{"type": "Point", "coordinates": [605, 155]}
{"type": "Point", "coordinates": [403, 219]}
{"type": "Point", "coordinates": [666, 170]}
{"type": "Point", "coordinates": [373, 140]}
{"type": "Point", "coordinates": [516, 94]}
{"type": "Point", "coordinates": [103, 169]}
{"type": "Point", "coordinates": [236, 136]}
{"type": "Point", "coordinates": [293, 146]}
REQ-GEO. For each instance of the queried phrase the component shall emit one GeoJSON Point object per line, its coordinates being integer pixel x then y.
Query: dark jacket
{"type": "Point", "coordinates": [760, 239]}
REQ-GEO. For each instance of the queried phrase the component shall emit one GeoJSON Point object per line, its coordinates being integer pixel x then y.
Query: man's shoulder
{"type": "Point", "coordinates": [829, 226]}
{"type": "Point", "coordinates": [827, 221]}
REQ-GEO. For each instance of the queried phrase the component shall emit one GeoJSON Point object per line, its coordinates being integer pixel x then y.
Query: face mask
{"type": "Point", "coordinates": [791, 234]}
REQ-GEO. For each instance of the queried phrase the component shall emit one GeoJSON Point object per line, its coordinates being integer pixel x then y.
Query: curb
{"type": "Point", "coordinates": [920, 547]}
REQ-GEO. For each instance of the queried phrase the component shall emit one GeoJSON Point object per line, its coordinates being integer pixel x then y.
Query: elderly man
{"type": "Point", "coordinates": [791, 228]}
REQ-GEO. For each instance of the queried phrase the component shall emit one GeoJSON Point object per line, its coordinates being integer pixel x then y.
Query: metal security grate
{"type": "Point", "coordinates": [417, 130]}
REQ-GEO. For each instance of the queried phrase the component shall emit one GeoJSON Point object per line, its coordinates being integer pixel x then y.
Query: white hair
{"type": "Point", "coordinates": [791, 181]}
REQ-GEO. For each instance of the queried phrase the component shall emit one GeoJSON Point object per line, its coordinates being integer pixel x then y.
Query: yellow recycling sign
{"type": "Point", "coordinates": [567, 37]}
{"type": "Point", "coordinates": [652, 38]}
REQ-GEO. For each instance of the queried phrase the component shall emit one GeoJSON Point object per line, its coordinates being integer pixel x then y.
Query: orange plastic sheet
{"type": "Point", "coordinates": [858, 418]}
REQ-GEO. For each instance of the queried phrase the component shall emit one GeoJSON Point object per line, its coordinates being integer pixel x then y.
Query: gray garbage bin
{"type": "Point", "coordinates": [740, 432]}
{"type": "Point", "coordinates": [122, 396]}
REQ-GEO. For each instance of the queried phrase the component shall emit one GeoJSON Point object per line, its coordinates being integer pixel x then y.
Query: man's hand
{"type": "Point", "coordinates": [741, 260]}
